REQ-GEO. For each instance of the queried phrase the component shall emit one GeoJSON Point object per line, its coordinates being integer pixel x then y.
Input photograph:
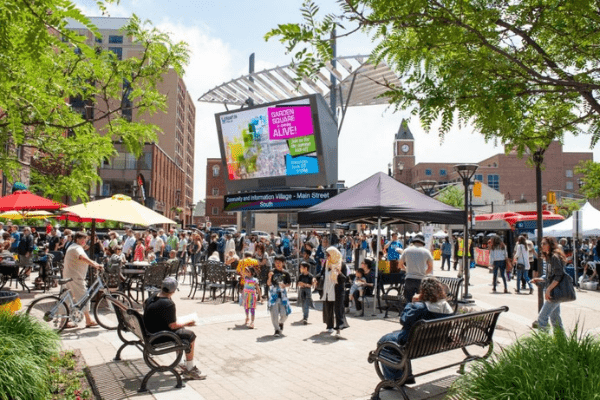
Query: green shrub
{"type": "Point", "coordinates": [537, 367]}
{"type": "Point", "coordinates": [25, 350]}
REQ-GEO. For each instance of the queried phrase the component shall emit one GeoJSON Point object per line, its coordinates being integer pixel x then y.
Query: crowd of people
{"type": "Point", "coordinates": [341, 269]}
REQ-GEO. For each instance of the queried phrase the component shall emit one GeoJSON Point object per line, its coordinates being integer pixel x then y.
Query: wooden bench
{"type": "Point", "coordinates": [427, 338]}
{"type": "Point", "coordinates": [393, 298]}
{"type": "Point", "coordinates": [150, 344]}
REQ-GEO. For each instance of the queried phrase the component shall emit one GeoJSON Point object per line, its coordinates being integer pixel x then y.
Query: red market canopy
{"type": "Point", "coordinates": [24, 200]}
{"type": "Point", "coordinates": [69, 216]}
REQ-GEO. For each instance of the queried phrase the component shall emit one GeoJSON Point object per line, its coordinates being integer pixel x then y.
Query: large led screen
{"type": "Point", "coordinates": [270, 141]}
{"type": "Point", "coordinates": [278, 144]}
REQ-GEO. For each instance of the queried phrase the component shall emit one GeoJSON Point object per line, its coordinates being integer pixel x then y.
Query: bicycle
{"type": "Point", "coordinates": [56, 311]}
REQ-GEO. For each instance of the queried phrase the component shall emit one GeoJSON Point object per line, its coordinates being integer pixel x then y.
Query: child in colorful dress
{"type": "Point", "coordinates": [251, 295]}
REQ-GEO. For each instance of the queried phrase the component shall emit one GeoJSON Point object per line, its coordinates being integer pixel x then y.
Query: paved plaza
{"type": "Point", "coordinates": [306, 363]}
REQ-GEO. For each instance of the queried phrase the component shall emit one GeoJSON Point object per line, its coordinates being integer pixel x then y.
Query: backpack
{"type": "Point", "coordinates": [25, 245]}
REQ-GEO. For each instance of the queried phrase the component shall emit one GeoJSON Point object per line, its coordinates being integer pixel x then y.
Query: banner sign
{"type": "Point", "coordinates": [482, 257]}
{"type": "Point", "coordinates": [277, 200]}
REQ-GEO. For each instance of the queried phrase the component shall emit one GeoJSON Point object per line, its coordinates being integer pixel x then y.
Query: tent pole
{"type": "Point", "coordinates": [375, 291]}
{"type": "Point", "coordinates": [298, 247]}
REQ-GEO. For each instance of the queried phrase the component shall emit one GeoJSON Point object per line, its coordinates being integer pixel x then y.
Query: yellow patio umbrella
{"type": "Point", "coordinates": [119, 208]}
{"type": "Point", "coordinates": [16, 215]}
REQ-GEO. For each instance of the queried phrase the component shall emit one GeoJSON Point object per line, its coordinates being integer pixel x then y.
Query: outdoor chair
{"type": "Point", "coordinates": [151, 281]}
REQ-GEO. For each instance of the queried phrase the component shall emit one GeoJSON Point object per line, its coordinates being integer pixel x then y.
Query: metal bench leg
{"type": "Point", "coordinates": [143, 388]}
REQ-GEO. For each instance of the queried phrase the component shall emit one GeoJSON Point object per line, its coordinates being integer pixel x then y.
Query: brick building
{"type": "Point", "coordinates": [215, 192]}
{"type": "Point", "coordinates": [166, 167]}
{"type": "Point", "coordinates": [506, 173]}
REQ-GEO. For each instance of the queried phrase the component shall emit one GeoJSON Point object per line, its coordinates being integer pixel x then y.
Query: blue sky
{"type": "Point", "coordinates": [223, 33]}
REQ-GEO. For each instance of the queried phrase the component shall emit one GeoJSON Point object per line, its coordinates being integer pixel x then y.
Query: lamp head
{"type": "Point", "coordinates": [466, 171]}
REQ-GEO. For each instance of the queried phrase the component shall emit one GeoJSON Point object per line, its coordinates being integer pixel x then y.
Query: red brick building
{"type": "Point", "coordinates": [215, 191]}
{"type": "Point", "coordinates": [506, 173]}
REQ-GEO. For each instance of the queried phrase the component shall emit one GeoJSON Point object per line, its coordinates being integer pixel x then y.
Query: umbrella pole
{"type": "Point", "coordinates": [375, 287]}
{"type": "Point", "coordinates": [93, 236]}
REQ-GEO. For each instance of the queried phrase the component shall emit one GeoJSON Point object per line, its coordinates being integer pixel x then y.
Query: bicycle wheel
{"type": "Point", "coordinates": [104, 313]}
{"type": "Point", "coordinates": [50, 311]}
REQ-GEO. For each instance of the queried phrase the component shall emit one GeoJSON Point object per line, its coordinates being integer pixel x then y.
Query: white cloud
{"type": "Point", "coordinates": [211, 62]}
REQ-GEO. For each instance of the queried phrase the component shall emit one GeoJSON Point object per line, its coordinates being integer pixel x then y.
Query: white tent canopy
{"type": "Point", "coordinates": [440, 234]}
{"type": "Point", "coordinates": [590, 218]}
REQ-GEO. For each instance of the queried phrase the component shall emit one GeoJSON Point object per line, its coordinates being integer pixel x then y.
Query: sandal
{"type": "Point", "coordinates": [251, 326]}
{"type": "Point", "coordinates": [91, 324]}
{"type": "Point", "coordinates": [70, 325]}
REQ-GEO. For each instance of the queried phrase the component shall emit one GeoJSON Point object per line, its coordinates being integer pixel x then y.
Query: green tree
{"type": "Point", "coordinates": [55, 86]}
{"type": "Point", "coordinates": [522, 73]}
{"type": "Point", "coordinates": [591, 183]}
{"type": "Point", "coordinates": [511, 67]}
{"type": "Point", "coordinates": [453, 196]}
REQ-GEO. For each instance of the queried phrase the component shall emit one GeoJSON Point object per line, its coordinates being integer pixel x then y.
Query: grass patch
{"type": "Point", "coordinates": [25, 349]}
{"type": "Point", "coordinates": [31, 367]}
{"type": "Point", "coordinates": [538, 367]}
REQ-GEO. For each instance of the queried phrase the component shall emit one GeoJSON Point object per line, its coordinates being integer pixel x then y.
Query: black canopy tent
{"type": "Point", "coordinates": [380, 199]}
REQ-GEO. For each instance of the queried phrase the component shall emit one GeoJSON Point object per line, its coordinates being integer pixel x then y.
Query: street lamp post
{"type": "Point", "coordinates": [192, 207]}
{"type": "Point", "coordinates": [427, 186]}
{"type": "Point", "coordinates": [466, 172]}
{"type": "Point", "coordinates": [389, 169]}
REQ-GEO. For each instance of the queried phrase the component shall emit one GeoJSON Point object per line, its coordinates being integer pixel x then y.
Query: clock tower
{"type": "Point", "coordinates": [404, 154]}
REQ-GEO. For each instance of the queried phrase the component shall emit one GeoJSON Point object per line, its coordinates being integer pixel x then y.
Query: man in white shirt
{"type": "Point", "coordinates": [1, 229]}
{"type": "Point", "coordinates": [129, 244]}
{"type": "Point", "coordinates": [230, 244]}
{"type": "Point", "coordinates": [417, 261]}
{"type": "Point", "coordinates": [75, 266]}
{"type": "Point", "coordinates": [157, 244]}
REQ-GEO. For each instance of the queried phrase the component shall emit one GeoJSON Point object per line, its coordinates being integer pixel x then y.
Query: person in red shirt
{"type": "Point", "coordinates": [140, 250]}
{"type": "Point", "coordinates": [48, 228]}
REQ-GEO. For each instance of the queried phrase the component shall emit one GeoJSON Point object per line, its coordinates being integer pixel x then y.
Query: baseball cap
{"type": "Point", "coordinates": [169, 284]}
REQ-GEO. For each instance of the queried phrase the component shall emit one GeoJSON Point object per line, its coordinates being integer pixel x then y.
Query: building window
{"type": "Point", "coordinates": [98, 39]}
{"type": "Point", "coordinates": [118, 52]}
{"type": "Point", "coordinates": [427, 172]}
{"type": "Point", "coordinates": [569, 173]}
{"type": "Point", "coordinates": [478, 177]}
{"type": "Point", "coordinates": [493, 181]}
{"type": "Point", "coordinates": [215, 191]}
{"type": "Point", "coordinates": [215, 211]}
{"type": "Point", "coordinates": [442, 172]}
{"type": "Point", "coordinates": [216, 170]}
{"type": "Point", "coordinates": [115, 39]}
{"type": "Point", "coordinates": [569, 185]}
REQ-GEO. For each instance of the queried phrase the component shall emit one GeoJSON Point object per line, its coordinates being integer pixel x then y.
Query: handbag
{"type": "Point", "coordinates": [564, 291]}
{"type": "Point", "coordinates": [521, 265]}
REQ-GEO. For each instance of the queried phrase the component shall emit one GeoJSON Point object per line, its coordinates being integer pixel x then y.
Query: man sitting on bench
{"type": "Point", "coordinates": [429, 303]}
{"type": "Point", "coordinates": [160, 315]}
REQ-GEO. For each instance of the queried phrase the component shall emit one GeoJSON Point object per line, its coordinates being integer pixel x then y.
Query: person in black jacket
{"type": "Point", "coordinates": [25, 247]}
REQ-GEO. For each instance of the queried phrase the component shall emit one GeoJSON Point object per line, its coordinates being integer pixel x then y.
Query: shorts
{"type": "Point", "coordinates": [186, 336]}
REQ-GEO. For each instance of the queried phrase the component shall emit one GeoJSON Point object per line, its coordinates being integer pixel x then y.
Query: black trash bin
{"type": "Point", "coordinates": [7, 296]}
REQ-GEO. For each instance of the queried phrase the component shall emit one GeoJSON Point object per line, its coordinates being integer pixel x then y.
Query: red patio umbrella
{"type": "Point", "coordinates": [24, 200]}
{"type": "Point", "coordinates": [69, 216]}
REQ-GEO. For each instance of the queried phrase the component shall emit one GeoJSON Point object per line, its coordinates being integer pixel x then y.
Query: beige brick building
{"type": "Point", "coordinates": [507, 173]}
{"type": "Point", "coordinates": [166, 167]}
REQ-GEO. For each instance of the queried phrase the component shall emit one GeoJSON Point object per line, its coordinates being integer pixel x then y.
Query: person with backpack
{"type": "Point", "coordinates": [25, 248]}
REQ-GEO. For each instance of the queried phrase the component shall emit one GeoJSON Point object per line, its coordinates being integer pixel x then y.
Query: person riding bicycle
{"type": "Point", "coordinates": [75, 266]}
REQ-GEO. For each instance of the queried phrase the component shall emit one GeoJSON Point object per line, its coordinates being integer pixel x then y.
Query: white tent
{"type": "Point", "coordinates": [440, 234]}
{"type": "Point", "coordinates": [590, 221]}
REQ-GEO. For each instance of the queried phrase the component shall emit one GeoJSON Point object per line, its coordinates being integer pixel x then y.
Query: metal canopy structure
{"type": "Point", "coordinates": [360, 83]}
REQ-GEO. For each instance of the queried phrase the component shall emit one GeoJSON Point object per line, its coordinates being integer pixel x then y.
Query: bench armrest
{"type": "Point", "coordinates": [386, 354]}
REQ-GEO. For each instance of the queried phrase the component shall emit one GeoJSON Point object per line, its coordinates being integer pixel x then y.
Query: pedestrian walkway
{"type": "Point", "coordinates": [306, 363]}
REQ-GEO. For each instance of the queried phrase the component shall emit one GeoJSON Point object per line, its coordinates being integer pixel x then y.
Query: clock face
{"type": "Point", "coordinates": [405, 148]}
